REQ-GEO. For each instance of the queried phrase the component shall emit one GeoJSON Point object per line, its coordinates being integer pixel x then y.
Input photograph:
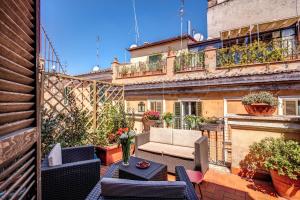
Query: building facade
{"type": "Point", "coordinates": [245, 53]}
{"type": "Point", "coordinates": [230, 14]}
{"type": "Point", "coordinates": [209, 78]}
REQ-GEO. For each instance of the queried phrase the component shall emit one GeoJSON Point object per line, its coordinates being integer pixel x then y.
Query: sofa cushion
{"type": "Point", "coordinates": [54, 157]}
{"type": "Point", "coordinates": [112, 187]}
{"type": "Point", "coordinates": [168, 149]}
{"type": "Point", "coordinates": [161, 135]}
{"type": "Point", "coordinates": [186, 138]}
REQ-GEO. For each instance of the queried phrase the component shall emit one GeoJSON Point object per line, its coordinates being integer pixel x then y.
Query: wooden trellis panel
{"type": "Point", "coordinates": [90, 96]}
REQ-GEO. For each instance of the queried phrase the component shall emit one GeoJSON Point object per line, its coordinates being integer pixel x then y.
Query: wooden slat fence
{"type": "Point", "coordinates": [19, 100]}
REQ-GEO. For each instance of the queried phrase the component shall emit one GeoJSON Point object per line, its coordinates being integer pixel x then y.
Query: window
{"type": "Point", "coordinates": [181, 109]}
{"type": "Point", "coordinates": [156, 106]}
{"type": "Point", "coordinates": [155, 58]}
{"type": "Point", "coordinates": [66, 95]}
{"type": "Point", "coordinates": [141, 107]}
{"type": "Point", "coordinates": [291, 106]}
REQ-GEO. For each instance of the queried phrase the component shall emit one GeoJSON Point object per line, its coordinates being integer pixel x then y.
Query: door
{"type": "Point", "coordinates": [19, 100]}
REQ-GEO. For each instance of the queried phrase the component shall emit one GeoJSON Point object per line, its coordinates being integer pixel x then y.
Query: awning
{"type": "Point", "coordinates": [263, 27]}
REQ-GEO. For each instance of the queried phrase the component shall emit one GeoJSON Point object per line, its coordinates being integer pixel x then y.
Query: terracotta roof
{"type": "Point", "coordinates": [162, 42]}
{"type": "Point", "coordinates": [98, 72]}
{"type": "Point", "coordinates": [204, 42]}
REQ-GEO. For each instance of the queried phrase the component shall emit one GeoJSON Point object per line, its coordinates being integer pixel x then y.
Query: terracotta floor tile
{"type": "Point", "coordinates": [223, 186]}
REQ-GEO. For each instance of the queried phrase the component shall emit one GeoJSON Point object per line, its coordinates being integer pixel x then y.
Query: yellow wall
{"type": "Point", "coordinates": [235, 107]}
{"type": "Point", "coordinates": [213, 107]}
{"type": "Point", "coordinates": [242, 139]}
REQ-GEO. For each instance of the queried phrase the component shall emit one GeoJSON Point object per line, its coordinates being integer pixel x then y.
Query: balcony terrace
{"type": "Point", "coordinates": [141, 69]}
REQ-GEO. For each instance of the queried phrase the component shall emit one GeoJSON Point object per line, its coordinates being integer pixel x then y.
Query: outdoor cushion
{"type": "Point", "coordinates": [168, 149]}
{"type": "Point", "coordinates": [113, 187]}
{"type": "Point", "coordinates": [161, 135]}
{"type": "Point", "coordinates": [54, 157]}
{"type": "Point", "coordinates": [186, 138]}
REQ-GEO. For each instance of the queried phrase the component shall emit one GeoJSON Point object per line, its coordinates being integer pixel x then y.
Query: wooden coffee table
{"type": "Point", "coordinates": [156, 171]}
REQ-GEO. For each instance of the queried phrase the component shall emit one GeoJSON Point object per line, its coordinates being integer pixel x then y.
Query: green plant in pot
{"type": "Point", "coordinates": [150, 118]}
{"type": "Point", "coordinates": [168, 118]}
{"type": "Point", "coordinates": [261, 103]}
{"type": "Point", "coordinates": [282, 158]}
{"type": "Point", "coordinates": [191, 121]}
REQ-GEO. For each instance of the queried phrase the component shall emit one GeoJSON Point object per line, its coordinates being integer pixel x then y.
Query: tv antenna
{"type": "Point", "coordinates": [136, 27]}
{"type": "Point", "coordinates": [181, 13]}
{"type": "Point", "coordinates": [97, 66]}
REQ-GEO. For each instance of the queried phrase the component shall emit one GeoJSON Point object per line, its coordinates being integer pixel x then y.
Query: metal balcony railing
{"type": "Point", "coordinates": [48, 55]}
{"type": "Point", "coordinates": [190, 61]}
{"type": "Point", "coordinates": [281, 49]}
{"type": "Point", "coordinates": [142, 69]}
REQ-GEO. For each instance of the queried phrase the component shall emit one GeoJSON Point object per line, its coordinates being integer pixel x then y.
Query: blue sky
{"type": "Point", "coordinates": [73, 26]}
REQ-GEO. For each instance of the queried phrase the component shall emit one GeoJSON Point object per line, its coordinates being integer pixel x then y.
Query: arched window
{"type": "Point", "coordinates": [141, 107]}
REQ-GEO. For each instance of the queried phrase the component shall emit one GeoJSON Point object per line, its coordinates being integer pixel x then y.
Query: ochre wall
{"type": "Point", "coordinates": [242, 139]}
{"type": "Point", "coordinates": [235, 107]}
{"type": "Point", "coordinates": [163, 48]}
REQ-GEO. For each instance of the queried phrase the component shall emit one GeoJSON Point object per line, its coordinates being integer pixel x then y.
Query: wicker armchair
{"type": "Point", "coordinates": [181, 175]}
{"type": "Point", "coordinates": [75, 178]}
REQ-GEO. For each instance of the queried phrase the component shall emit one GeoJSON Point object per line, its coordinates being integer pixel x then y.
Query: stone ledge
{"type": "Point", "coordinates": [286, 118]}
{"type": "Point", "coordinates": [276, 122]}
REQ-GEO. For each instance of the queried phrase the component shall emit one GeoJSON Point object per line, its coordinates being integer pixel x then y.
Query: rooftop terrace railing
{"type": "Point", "coordinates": [48, 54]}
{"type": "Point", "coordinates": [258, 52]}
{"type": "Point", "coordinates": [142, 69]}
{"type": "Point", "coordinates": [191, 61]}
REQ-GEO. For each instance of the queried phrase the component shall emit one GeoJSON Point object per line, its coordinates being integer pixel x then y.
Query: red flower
{"type": "Point", "coordinates": [125, 129]}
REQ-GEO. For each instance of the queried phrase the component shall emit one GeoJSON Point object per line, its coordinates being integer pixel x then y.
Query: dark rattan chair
{"type": "Point", "coordinates": [75, 178]}
{"type": "Point", "coordinates": [181, 175]}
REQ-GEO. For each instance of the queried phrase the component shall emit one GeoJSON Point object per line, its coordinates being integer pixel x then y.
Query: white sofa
{"type": "Point", "coordinates": [174, 147]}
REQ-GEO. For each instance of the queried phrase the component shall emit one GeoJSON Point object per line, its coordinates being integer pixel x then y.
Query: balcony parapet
{"type": "Point", "coordinates": [258, 53]}
{"type": "Point", "coordinates": [141, 69]}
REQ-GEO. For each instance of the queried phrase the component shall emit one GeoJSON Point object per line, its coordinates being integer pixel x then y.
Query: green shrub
{"type": "Point", "coordinates": [191, 121]}
{"type": "Point", "coordinates": [261, 97]}
{"type": "Point", "coordinates": [276, 154]}
{"type": "Point", "coordinates": [168, 118]}
{"type": "Point", "coordinates": [49, 131]}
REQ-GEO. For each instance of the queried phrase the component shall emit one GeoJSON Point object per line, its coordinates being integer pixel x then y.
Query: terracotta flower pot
{"type": "Point", "coordinates": [148, 123]}
{"type": "Point", "coordinates": [260, 109]}
{"type": "Point", "coordinates": [285, 186]}
{"type": "Point", "coordinates": [111, 154]}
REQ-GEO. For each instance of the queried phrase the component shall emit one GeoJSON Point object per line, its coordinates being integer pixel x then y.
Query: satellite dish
{"type": "Point", "coordinates": [198, 37]}
{"type": "Point", "coordinates": [96, 68]}
{"type": "Point", "coordinates": [133, 46]}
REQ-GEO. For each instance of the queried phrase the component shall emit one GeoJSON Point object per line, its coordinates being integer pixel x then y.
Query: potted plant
{"type": "Point", "coordinates": [282, 159]}
{"type": "Point", "coordinates": [191, 121]}
{"type": "Point", "coordinates": [262, 103]}
{"type": "Point", "coordinates": [124, 71]}
{"type": "Point", "coordinates": [168, 118]}
{"type": "Point", "coordinates": [107, 136]}
{"type": "Point", "coordinates": [150, 118]}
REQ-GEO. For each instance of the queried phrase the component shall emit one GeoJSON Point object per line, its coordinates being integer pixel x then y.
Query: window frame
{"type": "Point", "coordinates": [149, 101]}
{"type": "Point", "coordinates": [289, 98]}
{"type": "Point", "coordinates": [144, 106]}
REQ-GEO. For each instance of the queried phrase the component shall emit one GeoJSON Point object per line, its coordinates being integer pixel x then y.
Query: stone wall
{"type": "Point", "coordinates": [226, 15]}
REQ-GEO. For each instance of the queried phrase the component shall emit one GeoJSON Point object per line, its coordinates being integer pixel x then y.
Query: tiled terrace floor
{"type": "Point", "coordinates": [224, 186]}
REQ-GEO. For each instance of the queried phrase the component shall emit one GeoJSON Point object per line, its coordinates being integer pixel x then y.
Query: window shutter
{"type": "Point", "coordinates": [290, 108]}
{"type": "Point", "coordinates": [152, 106]}
{"type": "Point", "coordinates": [199, 108]}
{"type": "Point", "coordinates": [19, 100]}
{"type": "Point", "coordinates": [159, 107]}
{"type": "Point", "coordinates": [177, 113]}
